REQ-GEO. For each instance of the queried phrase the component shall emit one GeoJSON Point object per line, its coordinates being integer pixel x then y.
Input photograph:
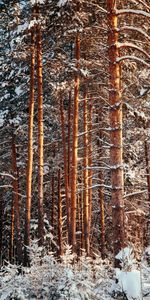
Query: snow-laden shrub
{"type": "Point", "coordinates": [52, 279]}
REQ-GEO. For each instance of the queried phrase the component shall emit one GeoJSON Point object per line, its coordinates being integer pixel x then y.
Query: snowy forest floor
{"type": "Point", "coordinates": [87, 278]}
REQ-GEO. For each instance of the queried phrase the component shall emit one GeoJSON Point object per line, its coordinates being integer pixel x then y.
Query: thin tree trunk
{"type": "Point", "coordinates": [60, 240]}
{"type": "Point", "coordinates": [116, 132]}
{"type": "Point", "coordinates": [69, 135]}
{"type": "Point", "coordinates": [85, 178]}
{"type": "Point", "coordinates": [30, 153]}
{"type": "Point", "coordinates": [102, 215]}
{"type": "Point", "coordinates": [11, 247]}
{"type": "Point", "coordinates": [16, 203]}
{"type": "Point", "coordinates": [101, 189]}
{"type": "Point", "coordinates": [65, 169]}
{"type": "Point", "coordinates": [147, 167]}
{"type": "Point", "coordinates": [75, 147]}
{"type": "Point", "coordinates": [40, 133]}
{"type": "Point", "coordinates": [1, 223]}
{"type": "Point", "coordinates": [90, 165]}
{"type": "Point", "coordinates": [53, 197]}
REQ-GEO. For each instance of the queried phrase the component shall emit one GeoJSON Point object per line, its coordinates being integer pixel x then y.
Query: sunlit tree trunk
{"type": "Point", "coordinates": [16, 202]}
{"type": "Point", "coordinates": [40, 131]}
{"type": "Point", "coordinates": [30, 153]}
{"type": "Point", "coordinates": [85, 177]}
{"type": "Point", "coordinates": [75, 147]}
{"type": "Point", "coordinates": [116, 131]}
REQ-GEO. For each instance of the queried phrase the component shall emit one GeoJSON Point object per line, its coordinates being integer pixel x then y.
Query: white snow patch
{"type": "Point", "coordinates": [37, 1]}
{"type": "Point", "coordinates": [130, 283]}
{"type": "Point", "coordinates": [2, 117]}
{"type": "Point", "coordinates": [18, 90]}
{"type": "Point", "coordinates": [62, 3]}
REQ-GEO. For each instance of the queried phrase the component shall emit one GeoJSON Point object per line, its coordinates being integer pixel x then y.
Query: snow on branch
{"type": "Point", "coordinates": [8, 175]}
{"type": "Point", "coordinates": [33, 2]}
{"type": "Point", "coordinates": [135, 193]}
{"type": "Point", "coordinates": [61, 3]}
{"type": "Point", "coordinates": [131, 45]}
{"type": "Point", "coordinates": [132, 57]}
{"type": "Point", "coordinates": [132, 28]}
{"type": "Point", "coordinates": [132, 11]}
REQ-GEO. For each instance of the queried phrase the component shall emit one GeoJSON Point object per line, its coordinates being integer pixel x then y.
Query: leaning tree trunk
{"type": "Point", "coordinates": [16, 202]}
{"type": "Point", "coordinates": [75, 148]}
{"type": "Point", "coordinates": [116, 131]}
{"type": "Point", "coordinates": [40, 132]}
{"type": "Point", "coordinates": [30, 153]}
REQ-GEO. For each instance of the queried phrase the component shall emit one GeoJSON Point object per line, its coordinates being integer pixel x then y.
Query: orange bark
{"type": "Point", "coordinates": [116, 131]}
{"type": "Point", "coordinates": [85, 178]}
{"type": "Point", "coordinates": [30, 152]}
{"type": "Point", "coordinates": [75, 148]}
{"type": "Point", "coordinates": [90, 165]}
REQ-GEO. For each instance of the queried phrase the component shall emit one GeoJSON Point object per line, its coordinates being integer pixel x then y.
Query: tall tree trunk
{"type": "Point", "coordinates": [90, 165]}
{"type": "Point", "coordinates": [60, 240]}
{"type": "Point", "coordinates": [75, 147]}
{"type": "Point", "coordinates": [147, 167]}
{"type": "Point", "coordinates": [65, 168]}
{"type": "Point", "coordinates": [101, 189]}
{"type": "Point", "coordinates": [16, 203]}
{"type": "Point", "coordinates": [116, 131]}
{"type": "Point", "coordinates": [40, 132]}
{"type": "Point", "coordinates": [85, 178]}
{"type": "Point", "coordinates": [30, 153]}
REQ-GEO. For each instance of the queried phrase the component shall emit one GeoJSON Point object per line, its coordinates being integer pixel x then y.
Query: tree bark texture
{"type": "Point", "coordinates": [30, 153]}
{"type": "Point", "coordinates": [40, 133]}
{"type": "Point", "coordinates": [116, 131]}
{"type": "Point", "coordinates": [85, 176]}
{"type": "Point", "coordinates": [90, 165]}
{"type": "Point", "coordinates": [75, 147]}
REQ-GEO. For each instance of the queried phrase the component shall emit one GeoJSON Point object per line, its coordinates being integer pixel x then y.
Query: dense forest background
{"type": "Point", "coordinates": [74, 141]}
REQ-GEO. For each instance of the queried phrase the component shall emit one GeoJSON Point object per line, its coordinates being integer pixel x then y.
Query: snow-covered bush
{"type": "Point", "coordinates": [49, 278]}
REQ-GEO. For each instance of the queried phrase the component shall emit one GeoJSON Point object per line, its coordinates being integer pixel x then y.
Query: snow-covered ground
{"type": "Point", "coordinates": [50, 279]}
